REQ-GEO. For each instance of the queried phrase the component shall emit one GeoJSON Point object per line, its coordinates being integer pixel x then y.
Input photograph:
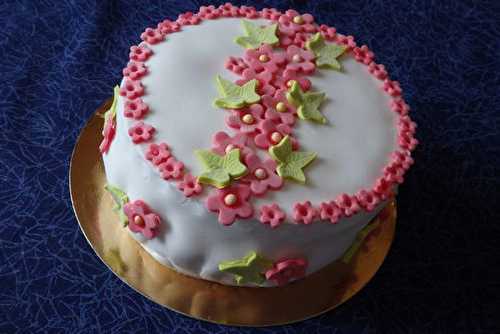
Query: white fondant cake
{"type": "Point", "coordinates": [352, 149]}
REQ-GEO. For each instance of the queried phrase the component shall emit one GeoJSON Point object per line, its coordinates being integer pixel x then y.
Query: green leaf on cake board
{"type": "Point", "coordinates": [111, 112]}
{"type": "Point", "coordinates": [249, 269]}
{"type": "Point", "coordinates": [120, 199]}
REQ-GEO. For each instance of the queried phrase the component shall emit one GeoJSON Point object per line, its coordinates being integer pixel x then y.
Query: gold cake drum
{"type": "Point", "coordinates": [198, 298]}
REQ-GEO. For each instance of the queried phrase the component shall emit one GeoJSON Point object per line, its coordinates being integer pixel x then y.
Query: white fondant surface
{"type": "Point", "coordinates": [180, 89]}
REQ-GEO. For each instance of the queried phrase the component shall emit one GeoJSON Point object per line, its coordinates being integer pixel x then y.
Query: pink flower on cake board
{"type": "Point", "coordinates": [367, 199]}
{"type": "Point", "coordinates": [152, 36]}
{"type": "Point", "coordinates": [132, 89]}
{"type": "Point", "coordinates": [284, 80]}
{"type": "Point", "coordinates": [328, 33]}
{"type": "Point", "coordinates": [168, 27]}
{"type": "Point", "coordinates": [236, 65]}
{"type": "Point", "coordinates": [248, 12]}
{"type": "Point", "coordinates": [347, 41]}
{"type": "Point", "coordinates": [271, 14]}
{"type": "Point", "coordinates": [304, 212]}
{"type": "Point", "coordinates": [222, 143]}
{"type": "Point", "coordinates": [399, 106]}
{"type": "Point", "coordinates": [286, 270]}
{"type": "Point", "coordinates": [246, 120]}
{"type": "Point", "coordinates": [278, 109]}
{"type": "Point", "coordinates": [140, 53]}
{"type": "Point", "coordinates": [230, 202]}
{"type": "Point", "coordinates": [271, 134]}
{"type": "Point", "coordinates": [261, 175]}
{"type": "Point", "coordinates": [228, 10]}
{"type": "Point", "coordinates": [392, 87]}
{"type": "Point", "coordinates": [108, 133]}
{"type": "Point", "coordinates": [271, 215]}
{"type": "Point", "coordinates": [188, 18]}
{"type": "Point", "coordinates": [135, 109]}
{"type": "Point", "coordinates": [300, 60]}
{"type": "Point", "coordinates": [141, 219]}
{"type": "Point", "coordinates": [171, 169]}
{"type": "Point", "coordinates": [363, 55]}
{"type": "Point", "coordinates": [348, 204]}
{"type": "Point", "coordinates": [378, 70]}
{"type": "Point", "coordinates": [190, 185]}
{"type": "Point", "coordinates": [135, 70]}
{"type": "Point", "coordinates": [209, 12]}
{"type": "Point", "coordinates": [330, 211]}
{"type": "Point", "coordinates": [264, 79]}
{"type": "Point", "coordinates": [141, 132]}
{"type": "Point", "coordinates": [158, 153]}
{"type": "Point", "coordinates": [264, 58]}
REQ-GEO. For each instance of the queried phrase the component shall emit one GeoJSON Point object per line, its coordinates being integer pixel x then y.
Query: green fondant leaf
{"type": "Point", "coordinates": [249, 269]}
{"type": "Point", "coordinates": [348, 255]}
{"type": "Point", "coordinates": [234, 96]}
{"type": "Point", "coordinates": [291, 163]}
{"type": "Point", "coordinates": [111, 112]}
{"type": "Point", "coordinates": [255, 35]}
{"type": "Point", "coordinates": [307, 103]}
{"type": "Point", "coordinates": [326, 53]}
{"type": "Point", "coordinates": [120, 199]}
{"type": "Point", "coordinates": [220, 170]}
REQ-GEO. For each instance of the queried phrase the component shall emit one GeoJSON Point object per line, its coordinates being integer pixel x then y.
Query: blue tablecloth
{"type": "Point", "coordinates": [59, 61]}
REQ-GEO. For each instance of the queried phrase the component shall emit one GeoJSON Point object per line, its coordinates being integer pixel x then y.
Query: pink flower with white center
{"type": "Point", "coordinates": [347, 41]}
{"type": "Point", "coordinates": [135, 70]}
{"type": "Point", "coordinates": [135, 109]}
{"type": "Point", "coordinates": [330, 211]}
{"type": "Point", "coordinates": [300, 60]}
{"type": "Point", "coordinates": [292, 22]}
{"type": "Point", "coordinates": [328, 33]}
{"type": "Point", "coordinates": [271, 134]}
{"type": "Point", "coordinates": [108, 134]}
{"type": "Point", "coordinates": [141, 219]}
{"type": "Point", "coordinates": [248, 12]}
{"type": "Point", "coordinates": [263, 80]}
{"type": "Point", "coordinates": [304, 212]}
{"type": "Point", "coordinates": [378, 70]}
{"type": "Point", "coordinates": [132, 89]}
{"type": "Point", "coordinates": [231, 203]}
{"type": "Point", "coordinates": [171, 169]}
{"type": "Point", "coordinates": [348, 204]}
{"type": "Point", "coordinates": [209, 12]}
{"type": "Point", "coordinates": [284, 80]}
{"type": "Point", "coordinates": [286, 270]}
{"type": "Point", "coordinates": [271, 215]}
{"type": "Point", "coordinates": [399, 106]}
{"type": "Point", "coordinates": [228, 10]}
{"type": "Point", "coordinates": [168, 27]}
{"type": "Point", "coordinates": [158, 153]}
{"type": "Point", "coordinates": [261, 175]}
{"type": "Point", "coordinates": [270, 14]}
{"type": "Point", "coordinates": [188, 18]}
{"type": "Point", "coordinates": [152, 36]}
{"type": "Point", "coordinates": [190, 185]}
{"type": "Point", "coordinates": [140, 53]}
{"type": "Point", "coordinates": [278, 109]}
{"type": "Point", "coordinates": [222, 143]}
{"type": "Point", "coordinates": [141, 132]}
{"type": "Point", "coordinates": [236, 65]}
{"type": "Point", "coordinates": [367, 199]}
{"type": "Point", "coordinates": [383, 188]}
{"type": "Point", "coordinates": [363, 55]}
{"type": "Point", "coordinates": [392, 87]}
{"type": "Point", "coordinates": [246, 120]}
{"type": "Point", "coordinates": [264, 58]}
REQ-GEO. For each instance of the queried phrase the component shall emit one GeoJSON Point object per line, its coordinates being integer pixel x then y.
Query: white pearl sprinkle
{"type": "Point", "coordinates": [260, 173]}
{"type": "Point", "coordinates": [276, 137]}
{"type": "Point", "coordinates": [248, 119]}
{"type": "Point", "coordinates": [230, 199]}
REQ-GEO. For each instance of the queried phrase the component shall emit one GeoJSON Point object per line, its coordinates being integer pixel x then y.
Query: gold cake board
{"type": "Point", "coordinates": [201, 299]}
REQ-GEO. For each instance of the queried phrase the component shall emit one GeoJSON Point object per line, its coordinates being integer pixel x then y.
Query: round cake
{"type": "Point", "coordinates": [251, 147]}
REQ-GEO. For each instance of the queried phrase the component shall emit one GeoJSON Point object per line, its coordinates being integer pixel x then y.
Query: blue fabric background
{"type": "Point", "coordinates": [59, 61]}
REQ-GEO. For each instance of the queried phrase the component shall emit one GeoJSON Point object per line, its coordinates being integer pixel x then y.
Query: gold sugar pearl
{"type": "Point", "coordinates": [248, 119]}
{"type": "Point", "coordinates": [263, 58]}
{"type": "Point", "coordinates": [276, 137]}
{"type": "Point", "coordinates": [138, 220]}
{"type": "Point", "coordinates": [298, 19]}
{"type": "Point", "coordinates": [281, 107]}
{"type": "Point", "coordinates": [230, 199]}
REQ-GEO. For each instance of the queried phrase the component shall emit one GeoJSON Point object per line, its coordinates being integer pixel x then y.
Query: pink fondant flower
{"type": "Point", "coordinates": [278, 109]}
{"type": "Point", "coordinates": [158, 153]}
{"type": "Point", "coordinates": [152, 36]}
{"type": "Point", "coordinates": [108, 134]}
{"type": "Point", "coordinates": [168, 27]}
{"type": "Point", "coordinates": [394, 173]}
{"type": "Point", "coordinates": [300, 60]}
{"type": "Point", "coordinates": [236, 65]}
{"type": "Point", "coordinates": [140, 53]}
{"type": "Point", "coordinates": [300, 39]}
{"type": "Point", "coordinates": [304, 212]}
{"type": "Point", "coordinates": [188, 18]}
{"type": "Point", "coordinates": [222, 143]}
{"type": "Point", "coordinates": [248, 12]}
{"type": "Point", "coordinates": [271, 215]}
{"type": "Point", "coordinates": [328, 33]}
{"type": "Point", "coordinates": [383, 188]}
{"type": "Point", "coordinates": [292, 22]}
{"type": "Point", "coordinates": [405, 124]}
{"type": "Point", "coordinates": [141, 219]}
{"type": "Point", "coordinates": [228, 10]}
{"type": "Point", "coordinates": [132, 89]}
{"type": "Point", "coordinates": [264, 58]}
{"type": "Point", "coordinates": [135, 70]}
{"type": "Point", "coordinates": [368, 199]}
{"type": "Point", "coordinates": [363, 54]}
{"type": "Point", "coordinates": [141, 132]}
{"type": "Point", "coordinates": [270, 14]}
{"type": "Point", "coordinates": [230, 202]}
{"type": "Point", "coordinates": [406, 137]}
{"type": "Point", "coordinates": [246, 120]}
{"type": "Point", "coordinates": [392, 87]}
{"type": "Point", "coordinates": [347, 41]}
{"type": "Point", "coordinates": [348, 204]}
{"type": "Point", "coordinates": [171, 169]}
{"type": "Point", "coordinates": [399, 106]}
{"type": "Point", "coordinates": [283, 80]}
{"type": "Point", "coordinates": [190, 185]}
{"type": "Point", "coordinates": [402, 158]}
{"type": "Point", "coordinates": [330, 211]}
{"type": "Point", "coordinates": [378, 70]}
{"type": "Point", "coordinates": [286, 270]}
{"type": "Point", "coordinates": [135, 109]}
{"type": "Point", "coordinates": [271, 134]}
{"type": "Point", "coordinates": [209, 12]}
{"type": "Point", "coordinates": [263, 80]}
{"type": "Point", "coordinates": [261, 175]}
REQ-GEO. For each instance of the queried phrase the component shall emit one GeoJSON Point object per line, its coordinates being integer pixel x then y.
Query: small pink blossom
{"type": "Point", "coordinates": [347, 41]}
{"type": "Point", "coordinates": [286, 270]}
{"type": "Point", "coordinates": [263, 80]}
{"type": "Point", "coordinates": [152, 36]}
{"type": "Point", "coordinates": [171, 169]}
{"type": "Point", "coordinates": [135, 109]}
{"type": "Point", "coordinates": [271, 102]}
{"type": "Point", "coordinates": [392, 87]}
{"type": "Point", "coordinates": [246, 120]}
{"type": "Point", "coordinates": [407, 141]}
{"type": "Point", "coordinates": [230, 202]}
{"type": "Point", "coordinates": [288, 23]}
{"type": "Point", "coordinates": [330, 211]}
{"type": "Point", "coordinates": [328, 33]}
{"type": "Point", "coordinates": [399, 106]}
{"type": "Point", "coordinates": [300, 60]}
{"type": "Point", "coordinates": [282, 80]}
{"type": "Point", "coordinates": [135, 70]}
{"type": "Point", "coordinates": [222, 143]}
{"type": "Point", "coordinates": [188, 18]}
{"type": "Point", "coordinates": [405, 124]}
{"type": "Point", "coordinates": [383, 188]}
{"type": "Point", "coordinates": [378, 70]}
{"type": "Point", "coordinates": [348, 204]}
{"type": "Point", "coordinates": [140, 53]}
{"type": "Point", "coordinates": [168, 27]}
{"type": "Point", "coordinates": [273, 60]}
{"type": "Point", "coordinates": [270, 14]}
{"type": "Point", "coordinates": [228, 10]}
{"type": "Point", "coordinates": [304, 212]}
{"type": "Point", "coordinates": [394, 173]}
{"type": "Point", "coordinates": [141, 132]}
{"type": "Point", "coordinates": [367, 199]}
{"type": "Point", "coordinates": [132, 89]}
{"type": "Point", "coordinates": [158, 153]}
{"type": "Point", "coordinates": [236, 65]}
{"type": "Point", "coordinates": [190, 185]}
{"type": "Point", "coordinates": [300, 39]}
{"type": "Point", "coordinates": [248, 12]}
{"type": "Point", "coordinates": [209, 12]}
{"type": "Point", "coordinates": [271, 215]}
{"type": "Point", "coordinates": [141, 219]}
{"type": "Point", "coordinates": [108, 133]}
{"type": "Point", "coordinates": [261, 175]}
{"type": "Point", "coordinates": [271, 134]}
{"type": "Point", "coordinates": [402, 158]}
{"type": "Point", "coordinates": [363, 54]}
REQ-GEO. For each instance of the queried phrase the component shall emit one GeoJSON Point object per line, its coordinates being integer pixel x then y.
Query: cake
{"type": "Point", "coordinates": [251, 147]}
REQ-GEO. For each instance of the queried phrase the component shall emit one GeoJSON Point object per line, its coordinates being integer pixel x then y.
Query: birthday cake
{"type": "Point", "coordinates": [251, 147]}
